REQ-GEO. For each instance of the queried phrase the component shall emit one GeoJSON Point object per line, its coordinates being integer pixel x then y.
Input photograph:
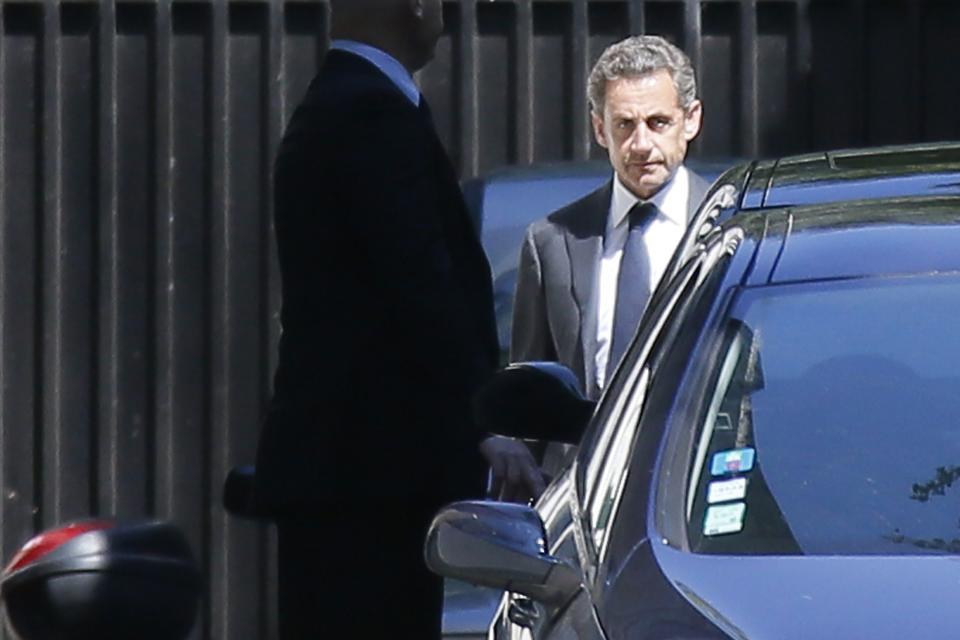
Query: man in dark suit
{"type": "Point", "coordinates": [388, 329]}
{"type": "Point", "coordinates": [588, 270]}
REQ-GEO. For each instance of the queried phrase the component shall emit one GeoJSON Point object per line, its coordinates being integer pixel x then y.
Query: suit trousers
{"type": "Point", "coordinates": [357, 571]}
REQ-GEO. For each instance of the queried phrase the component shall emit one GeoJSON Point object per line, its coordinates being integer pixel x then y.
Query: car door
{"type": "Point", "coordinates": [630, 595]}
{"type": "Point", "coordinates": [577, 510]}
{"type": "Point", "coordinates": [603, 463]}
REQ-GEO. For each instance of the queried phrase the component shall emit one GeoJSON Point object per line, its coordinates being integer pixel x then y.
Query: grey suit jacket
{"type": "Point", "coordinates": [554, 313]}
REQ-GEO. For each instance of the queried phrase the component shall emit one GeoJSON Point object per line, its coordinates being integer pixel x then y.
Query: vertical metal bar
{"type": "Point", "coordinates": [470, 126]}
{"type": "Point", "coordinates": [149, 325]}
{"type": "Point", "coordinates": [107, 294]}
{"type": "Point", "coordinates": [217, 622]}
{"type": "Point", "coordinates": [276, 108]}
{"type": "Point", "coordinates": [4, 454]}
{"type": "Point", "coordinates": [50, 275]}
{"type": "Point", "coordinates": [693, 33]}
{"type": "Point", "coordinates": [238, 229]}
{"type": "Point", "coordinates": [637, 15]}
{"type": "Point", "coordinates": [3, 213]}
{"type": "Point", "coordinates": [70, 237]}
{"type": "Point", "coordinates": [165, 321]}
{"type": "Point", "coordinates": [693, 46]}
{"type": "Point", "coordinates": [748, 78]}
{"type": "Point", "coordinates": [580, 59]}
{"type": "Point", "coordinates": [800, 93]}
{"type": "Point", "coordinates": [859, 17]}
{"type": "Point", "coordinates": [524, 122]}
{"type": "Point", "coordinates": [917, 88]}
{"type": "Point", "coordinates": [132, 260]}
{"type": "Point", "coordinates": [274, 103]}
{"type": "Point", "coordinates": [19, 405]}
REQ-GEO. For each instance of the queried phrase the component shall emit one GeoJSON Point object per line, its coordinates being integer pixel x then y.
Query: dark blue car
{"type": "Point", "coordinates": [775, 456]}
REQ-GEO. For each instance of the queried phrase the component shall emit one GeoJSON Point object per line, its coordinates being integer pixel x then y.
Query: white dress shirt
{"type": "Point", "coordinates": [660, 239]}
{"type": "Point", "coordinates": [382, 60]}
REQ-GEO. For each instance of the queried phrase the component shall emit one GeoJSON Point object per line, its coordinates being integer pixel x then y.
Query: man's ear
{"type": "Point", "coordinates": [692, 120]}
{"type": "Point", "coordinates": [598, 131]}
{"type": "Point", "coordinates": [416, 6]}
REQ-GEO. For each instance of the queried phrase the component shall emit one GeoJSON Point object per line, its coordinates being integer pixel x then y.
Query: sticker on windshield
{"type": "Point", "coordinates": [727, 490]}
{"type": "Point", "coordinates": [724, 518]}
{"type": "Point", "coordinates": [733, 461]}
{"type": "Point", "coordinates": [723, 422]}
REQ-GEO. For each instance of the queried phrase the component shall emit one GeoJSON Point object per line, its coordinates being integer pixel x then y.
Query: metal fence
{"type": "Point", "coordinates": [138, 287]}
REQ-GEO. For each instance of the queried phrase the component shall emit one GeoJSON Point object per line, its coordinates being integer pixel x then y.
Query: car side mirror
{"type": "Point", "coordinates": [500, 545]}
{"type": "Point", "coordinates": [535, 401]}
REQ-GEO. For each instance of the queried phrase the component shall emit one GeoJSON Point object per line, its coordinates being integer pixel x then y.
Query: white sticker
{"type": "Point", "coordinates": [723, 422]}
{"type": "Point", "coordinates": [727, 490]}
{"type": "Point", "coordinates": [724, 518]}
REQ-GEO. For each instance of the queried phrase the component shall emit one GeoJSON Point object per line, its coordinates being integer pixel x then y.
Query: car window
{"type": "Point", "coordinates": [605, 453]}
{"type": "Point", "coordinates": [830, 422]}
{"type": "Point", "coordinates": [600, 462]}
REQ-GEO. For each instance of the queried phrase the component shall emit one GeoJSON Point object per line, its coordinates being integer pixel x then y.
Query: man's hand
{"type": "Point", "coordinates": [516, 477]}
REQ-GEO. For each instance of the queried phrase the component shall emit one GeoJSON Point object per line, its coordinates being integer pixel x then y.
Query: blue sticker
{"type": "Point", "coordinates": [733, 461]}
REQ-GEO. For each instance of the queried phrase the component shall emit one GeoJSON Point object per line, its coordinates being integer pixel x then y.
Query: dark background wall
{"type": "Point", "coordinates": [138, 288]}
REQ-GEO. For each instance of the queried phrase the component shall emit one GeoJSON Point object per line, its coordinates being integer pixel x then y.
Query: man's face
{"type": "Point", "coordinates": [645, 130]}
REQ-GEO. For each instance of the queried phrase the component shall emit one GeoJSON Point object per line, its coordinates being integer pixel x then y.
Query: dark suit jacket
{"type": "Point", "coordinates": [555, 314]}
{"type": "Point", "coordinates": [387, 306]}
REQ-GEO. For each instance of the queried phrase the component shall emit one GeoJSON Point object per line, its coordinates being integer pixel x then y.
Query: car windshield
{"type": "Point", "coordinates": [831, 422]}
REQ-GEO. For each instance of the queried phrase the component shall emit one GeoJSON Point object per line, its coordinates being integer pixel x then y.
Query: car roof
{"type": "Point", "coordinates": [899, 236]}
{"type": "Point", "coordinates": [835, 176]}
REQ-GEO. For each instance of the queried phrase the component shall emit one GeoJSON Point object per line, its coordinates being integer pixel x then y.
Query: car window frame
{"type": "Point", "coordinates": [622, 403]}
{"type": "Point", "coordinates": [687, 409]}
{"type": "Point", "coordinates": [611, 406]}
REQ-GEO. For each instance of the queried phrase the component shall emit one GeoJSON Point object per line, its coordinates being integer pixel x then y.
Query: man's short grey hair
{"type": "Point", "coordinates": [639, 56]}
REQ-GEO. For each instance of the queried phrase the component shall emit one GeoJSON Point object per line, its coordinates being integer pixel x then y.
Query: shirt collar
{"type": "Point", "coordinates": [671, 200]}
{"type": "Point", "coordinates": [382, 60]}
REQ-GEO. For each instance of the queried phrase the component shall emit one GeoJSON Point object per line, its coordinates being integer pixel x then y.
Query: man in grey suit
{"type": "Point", "coordinates": [587, 271]}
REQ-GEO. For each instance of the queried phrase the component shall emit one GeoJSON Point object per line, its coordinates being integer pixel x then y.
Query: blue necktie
{"type": "Point", "coordinates": [633, 284]}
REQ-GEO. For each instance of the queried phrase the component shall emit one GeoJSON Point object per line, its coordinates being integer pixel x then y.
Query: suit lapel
{"type": "Point", "coordinates": [584, 243]}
